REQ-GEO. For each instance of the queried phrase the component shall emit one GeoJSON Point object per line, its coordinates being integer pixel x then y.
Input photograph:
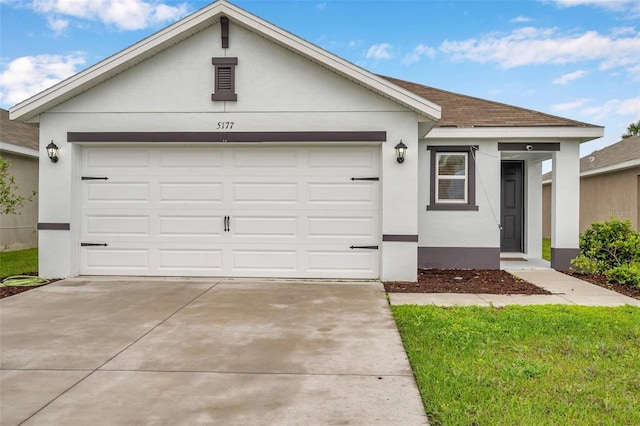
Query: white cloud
{"type": "Point", "coordinates": [420, 51]}
{"type": "Point", "coordinates": [379, 51]}
{"type": "Point", "coordinates": [321, 6]}
{"type": "Point", "coordinates": [614, 107]}
{"type": "Point", "coordinates": [25, 76]}
{"type": "Point", "coordinates": [122, 14]}
{"type": "Point", "coordinates": [521, 19]}
{"type": "Point", "coordinates": [565, 78]}
{"type": "Point", "coordinates": [58, 25]}
{"type": "Point", "coordinates": [606, 4]}
{"type": "Point", "coordinates": [535, 46]}
{"type": "Point", "coordinates": [620, 107]}
{"type": "Point", "coordinates": [570, 106]}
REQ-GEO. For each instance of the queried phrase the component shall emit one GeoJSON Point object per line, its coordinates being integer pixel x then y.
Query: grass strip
{"type": "Point", "coordinates": [525, 365]}
{"type": "Point", "coordinates": [20, 262]}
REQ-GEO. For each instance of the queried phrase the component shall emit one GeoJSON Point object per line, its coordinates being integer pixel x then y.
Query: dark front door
{"type": "Point", "coordinates": [511, 206]}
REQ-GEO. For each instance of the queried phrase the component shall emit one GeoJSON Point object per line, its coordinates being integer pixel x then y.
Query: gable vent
{"type": "Point", "coordinates": [225, 82]}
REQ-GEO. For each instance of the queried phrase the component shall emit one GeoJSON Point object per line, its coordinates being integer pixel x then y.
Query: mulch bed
{"type": "Point", "coordinates": [601, 280]}
{"type": "Point", "coordinates": [487, 281]}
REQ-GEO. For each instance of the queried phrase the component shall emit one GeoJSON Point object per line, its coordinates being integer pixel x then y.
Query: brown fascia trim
{"type": "Point", "coordinates": [348, 136]}
{"type": "Point", "coordinates": [519, 146]}
{"type": "Point", "coordinates": [400, 238]}
{"type": "Point", "coordinates": [54, 226]}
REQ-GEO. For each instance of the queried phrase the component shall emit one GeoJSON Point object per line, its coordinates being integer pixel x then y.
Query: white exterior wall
{"type": "Point", "coordinates": [277, 91]}
{"type": "Point", "coordinates": [472, 229]}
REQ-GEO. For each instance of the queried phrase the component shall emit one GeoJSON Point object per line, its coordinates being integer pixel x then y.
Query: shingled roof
{"type": "Point", "coordinates": [16, 133]}
{"type": "Point", "coordinates": [466, 111]}
{"type": "Point", "coordinates": [626, 150]}
{"type": "Point", "coordinates": [622, 153]}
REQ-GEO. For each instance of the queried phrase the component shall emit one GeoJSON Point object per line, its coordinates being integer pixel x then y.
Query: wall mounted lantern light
{"type": "Point", "coordinates": [52, 152]}
{"type": "Point", "coordinates": [401, 150]}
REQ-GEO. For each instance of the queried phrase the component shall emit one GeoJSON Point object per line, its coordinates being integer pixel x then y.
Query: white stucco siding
{"type": "Point", "coordinates": [472, 229]}
{"type": "Point", "coordinates": [278, 90]}
{"type": "Point", "coordinates": [269, 78]}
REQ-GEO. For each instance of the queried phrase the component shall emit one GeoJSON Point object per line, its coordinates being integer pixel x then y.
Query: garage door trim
{"type": "Point", "coordinates": [253, 137]}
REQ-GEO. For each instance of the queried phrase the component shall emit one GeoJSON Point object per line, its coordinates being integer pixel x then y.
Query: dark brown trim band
{"type": "Point", "coordinates": [561, 258]}
{"type": "Point", "coordinates": [400, 238]}
{"type": "Point", "coordinates": [509, 146]}
{"type": "Point", "coordinates": [224, 31]}
{"type": "Point", "coordinates": [54, 226]}
{"type": "Point", "coordinates": [459, 257]}
{"type": "Point", "coordinates": [372, 136]}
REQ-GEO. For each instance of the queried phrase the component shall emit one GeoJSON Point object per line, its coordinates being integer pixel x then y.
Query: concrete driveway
{"type": "Point", "coordinates": [97, 351]}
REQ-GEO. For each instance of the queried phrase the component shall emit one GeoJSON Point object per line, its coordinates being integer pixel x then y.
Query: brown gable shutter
{"type": "Point", "coordinates": [225, 84]}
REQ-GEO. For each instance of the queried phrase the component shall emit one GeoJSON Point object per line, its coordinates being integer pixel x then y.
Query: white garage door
{"type": "Point", "coordinates": [233, 211]}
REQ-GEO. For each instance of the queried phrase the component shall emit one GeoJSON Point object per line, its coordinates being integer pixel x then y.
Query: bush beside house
{"type": "Point", "coordinates": [611, 248]}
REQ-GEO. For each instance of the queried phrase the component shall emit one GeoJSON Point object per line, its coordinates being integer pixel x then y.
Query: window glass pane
{"type": "Point", "coordinates": [452, 164]}
{"type": "Point", "coordinates": [451, 189]}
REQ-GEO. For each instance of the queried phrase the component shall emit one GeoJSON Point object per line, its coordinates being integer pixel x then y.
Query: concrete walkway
{"type": "Point", "coordinates": [566, 290]}
{"type": "Point", "coordinates": [193, 351]}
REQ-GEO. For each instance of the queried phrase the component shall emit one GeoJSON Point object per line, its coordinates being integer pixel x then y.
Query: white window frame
{"type": "Point", "coordinates": [464, 178]}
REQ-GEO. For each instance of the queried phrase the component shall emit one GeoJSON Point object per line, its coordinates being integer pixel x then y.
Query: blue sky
{"type": "Point", "coordinates": [574, 58]}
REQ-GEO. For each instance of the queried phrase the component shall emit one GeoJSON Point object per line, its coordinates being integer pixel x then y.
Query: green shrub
{"type": "Point", "coordinates": [611, 248]}
{"type": "Point", "coordinates": [625, 274]}
{"type": "Point", "coordinates": [607, 245]}
{"type": "Point", "coordinates": [588, 265]}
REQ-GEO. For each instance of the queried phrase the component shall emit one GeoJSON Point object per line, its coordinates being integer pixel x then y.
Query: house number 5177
{"type": "Point", "coordinates": [225, 125]}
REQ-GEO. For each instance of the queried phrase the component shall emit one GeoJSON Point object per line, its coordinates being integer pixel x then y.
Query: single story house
{"type": "Point", "coordinates": [609, 186]}
{"type": "Point", "coordinates": [19, 146]}
{"type": "Point", "coordinates": [223, 145]}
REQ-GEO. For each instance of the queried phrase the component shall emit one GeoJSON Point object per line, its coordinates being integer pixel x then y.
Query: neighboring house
{"type": "Point", "coordinates": [19, 147]}
{"type": "Point", "coordinates": [226, 146]}
{"type": "Point", "coordinates": [609, 186]}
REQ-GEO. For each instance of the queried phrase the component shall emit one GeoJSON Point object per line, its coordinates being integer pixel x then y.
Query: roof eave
{"type": "Point", "coordinates": [518, 134]}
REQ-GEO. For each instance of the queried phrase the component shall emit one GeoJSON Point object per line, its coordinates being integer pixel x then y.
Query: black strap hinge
{"type": "Point", "coordinates": [364, 247]}
{"type": "Point", "coordinates": [366, 178]}
{"type": "Point", "coordinates": [94, 178]}
{"type": "Point", "coordinates": [93, 244]}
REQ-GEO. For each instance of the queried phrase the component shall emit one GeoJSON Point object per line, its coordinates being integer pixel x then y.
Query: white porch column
{"type": "Point", "coordinates": [533, 209]}
{"type": "Point", "coordinates": [565, 205]}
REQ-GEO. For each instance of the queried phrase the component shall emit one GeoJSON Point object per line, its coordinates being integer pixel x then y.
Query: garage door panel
{"type": "Point", "coordinates": [190, 226]}
{"type": "Point", "coordinates": [105, 260]}
{"type": "Point", "coordinates": [341, 194]}
{"type": "Point", "coordinates": [264, 227]}
{"type": "Point", "coordinates": [340, 260]}
{"type": "Point", "coordinates": [190, 193]}
{"type": "Point", "coordinates": [191, 158]}
{"type": "Point", "coordinates": [190, 261]}
{"type": "Point", "coordinates": [99, 225]}
{"type": "Point", "coordinates": [340, 227]}
{"type": "Point", "coordinates": [267, 259]}
{"type": "Point", "coordinates": [350, 159]}
{"type": "Point", "coordinates": [265, 192]}
{"type": "Point", "coordinates": [270, 160]}
{"type": "Point", "coordinates": [110, 160]}
{"type": "Point", "coordinates": [114, 192]}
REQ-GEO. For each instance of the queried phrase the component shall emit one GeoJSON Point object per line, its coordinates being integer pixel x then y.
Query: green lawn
{"type": "Point", "coordinates": [18, 262]}
{"type": "Point", "coordinates": [525, 365]}
{"type": "Point", "coordinates": [546, 249]}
